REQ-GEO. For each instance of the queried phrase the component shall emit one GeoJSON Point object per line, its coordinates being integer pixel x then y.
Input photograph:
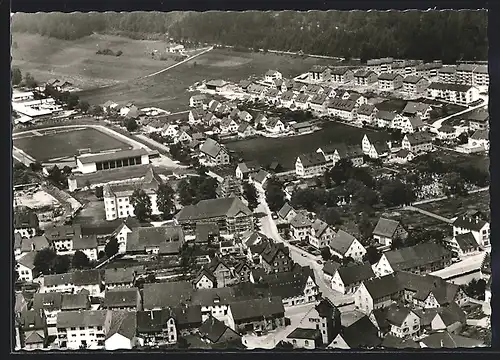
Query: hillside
{"type": "Point", "coordinates": [447, 35]}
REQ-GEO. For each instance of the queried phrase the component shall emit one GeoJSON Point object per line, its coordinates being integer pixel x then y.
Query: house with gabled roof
{"type": "Point", "coordinates": [275, 258]}
{"type": "Point", "coordinates": [287, 212]}
{"type": "Point", "coordinates": [275, 125]}
{"type": "Point", "coordinates": [396, 320]}
{"type": "Point", "coordinates": [450, 318]}
{"type": "Point", "coordinates": [343, 109]}
{"type": "Point", "coordinates": [321, 234]}
{"type": "Point", "coordinates": [385, 118]}
{"type": "Point", "coordinates": [347, 279]}
{"type": "Point", "coordinates": [387, 230]}
{"type": "Point", "coordinates": [301, 227]}
{"type": "Point", "coordinates": [287, 99]}
{"type": "Point", "coordinates": [242, 271]}
{"type": "Point", "coordinates": [455, 93]}
{"type": "Point", "coordinates": [341, 75]}
{"type": "Point", "coordinates": [164, 240]}
{"type": "Point", "coordinates": [361, 334]}
{"type": "Point", "coordinates": [228, 126]}
{"type": "Point", "coordinates": [214, 331]}
{"type": "Point", "coordinates": [246, 130]}
{"type": "Point", "coordinates": [304, 338]}
{"type": "Point", "coordinates": [319, 73]}
{"type": "Point", "coordinates": [273, 96]}
{"type": "Point", "coordinates": [326, 316]}
{"type": "Point", "coordinates": [444, 339]}
{"type": "Point", "coordinates": [119, 277]}
{"type": "Point", "coordinates": [259, 178]}
{"type": "Point", "coordinates": [256, 315]}
{"type": "Point", "coordinates": [413, 108]}
{"type": "Point", "coordinates": [389, 81]}
{"type": "Point", "coordinates": [474, 224]}
{"type": "Point", "coordinates": [157, 327]}
{"type": "Point", "coordinates": [417, 143]}
{"type": "Point", "coordinates": [214, 154]}
{"type": "Point", "coordinates": [122, 298]}
{"type": "Point", "coordinates": [358, 99]}
{"type": "Point", "coordinates": [245, 169]}
{"type": "Point", "coordinates": [344, 245]}
{"type": "Point", "coordinates": [272, 75]}
{"type": "Point", "coordinates": [302, 101]}
{"type": "Point", "coordinates": [319, 103]}
{"type": "Point", "coordinates": [403, 156]}
{"type": "Point", "coordinates": [480, 138]}
{"type": "Point", "coordinates": [311, 164]}
{"type": "Point", "coordinates": [463, 245]}
{"type": "Point", "coordinates": [205, 279]}
{"type": "Point", "coordinates": [31, 330]}
{"type": "Point", "coordinates": [365, 77]}
{"type": "Point", "coordinates": [366, 113]}
{"type": "Point", "coordinates": [414, 86]}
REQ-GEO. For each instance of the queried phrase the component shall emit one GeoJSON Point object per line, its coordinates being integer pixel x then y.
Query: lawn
{"type": "Point", "coordinates": [77, 62]}
{"type": "Point", "coordinates": [285, 150]}
{"type": "Point", "coordinates": [168, 90]}
{"type": "Point", "coordinates": [455, 206]}
{"type": "Point", "coordinates": [481, 162]}
{"type": "Point", "coordinates": [67, 143]}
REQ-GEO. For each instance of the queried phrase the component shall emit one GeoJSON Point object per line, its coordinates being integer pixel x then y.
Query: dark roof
{"type": "Point", "coordinates": [388, 76]}
{"type": "Point", "coordinates": [166, 294]}
{"type": "Point", "coordinates": [361, 334]}
{"type": "Point", "coordinates": [78, 301]}
{"type": "Point", "coordinates": [66, 319]}
{"type": "Point", "coordinates": [86, 277]}
{"type": "Point", "coordinates": [339, 70]}
{"type": "Point", "coordinates": [169, 239]}
{"type": "Point", "coordinates": [393, 342]}
{"type": "Point", "coordinates": [419, 138]}
{"type": "Point", "coordinates": [212, 329]}
{"type": "Point", "coordinates": [352, 274]}
{"type": "Point", "coordinates": [85, 242]}
{"type": "Point", "coordinates": [122, 322]}
{"type": "Point", "coordinates": [395, 315]}
{"type": "Point", "coordinates": [486, 264]}
{"type": "Point", "coordinates": [366, 109]}
{"type": "Point", "coordinates": [119, 275]}
{"type": "Point", "coordinates": [28, 260]}
{"type": "Point", "coordinates": [87, 159]}
{"type": "Point", "coordinates": [153, 321]}
{"type": "Point", "coordinates": [319, 227]}
{"type": "Point", "coordinates": [330, 267]}
{"type": "Point", "coordinates": [363, 73]}
{"type": "Point", "coordinates": [205, 272]}
{"type": "Point", "coordinates": [466, 241]}
{"type": "Point", "coordinates": [25, 219]}
{"type": "Point", "coordinates": [187, 315]}
{"type": "Point", "coordinates": [414, 256]}
{"type": "Point", "coordinates": [260, 176]}
{"type": "Point", "coordinates": [271, 250]}
{"type": "Point", "coordinates": [339, 104]}
{"type": "Point", "coordinates": [285, 284]}
{"type": "Point", "coordinates": [412, 79]}
{"type": "Point", "coordinates": [257, 308]}
{"type": "Point", "coordinates": [204, 230]}
{"type": "Point", "coordinates": [480, 135]}
{"type": "Point", "coordinates": [413, 107]}
{"type": "Point", "coordinates": [211, 147]}
{"type": "Point", "coordinates": [326, 308]}
{"type": "Point", "coordinates": [446, 340]}
{"type": "Point", "coordinates": [302, 333]}
{"type": "Point", "coordinates": [386, 115]}
{"type": "Point", "coordinates": [451, 87]}
{"type": "Point", "coordinates": [285, 209]}
{"type": "Point", "coordinates": [319, 99]}
{"type": "Point", "coordinates": [300, 220]}
{"type": "Point", "coordinates": [119, 297]}
{"type": "Point", "coordinates": [31, 320]}
{"type": "Point", "coordinates": [47, 301]}
{"type": "Point", "coordinates": [212, 208]}
{"type": "Point", "coordinates": [312, 159]}
{"type": "Point", "coordinates": [288, 95]}
{"type": "Point", "coordinates": [383, 286]}
{"type": "Point", "coordinates": [342, 242]}
{"type": "Point", "coordinates": [470, 223]}
{"type": "Point", "coordinates": [386, 227]}
{"type": "Point", "coordinates": [452, 314]}
{"type": "Point", "coordinates": [422, 285]}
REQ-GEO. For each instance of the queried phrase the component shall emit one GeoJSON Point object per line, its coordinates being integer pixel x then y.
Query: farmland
{"type": "Point", "coordinates": [67, 143]}
{"type": "Point", "coordinates": [77, 62]}
{"type": "Point", "coordinates": [452, 207]}
{"type": "Point", "coordinates": [168, 90]}
{"type": "Point", "coordinates": [286, 150]}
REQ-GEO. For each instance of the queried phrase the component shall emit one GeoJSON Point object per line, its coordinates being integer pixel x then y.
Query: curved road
{"type": "Point", "coordinates": [181, 62]}
{"type": "Point", "coordinates": [437, 124]}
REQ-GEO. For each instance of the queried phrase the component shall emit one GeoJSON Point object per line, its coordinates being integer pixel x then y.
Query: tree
{"type": "Point", "coordinates": [165, 200]}
{"type": "Point", "coordinates": [80, 260]}
{"type": "Point", "coordinates": [330, 215]}
{"type": "Point", "coordinates": [250, 193]}
{"type": "Point", "coordinates": [44, 261]}
{"type": "Point", "coordinates": [326, 254]}
{"type": "Point", "coordinates": [372, 255]}
{"type": "Point", "coordinates": [396, 193]}
{"type": "Point", "coordinates": [101, 255]}
{"type": "Point", "coordinates": [62, 264]}
{"type": "Point", "coordinates": [187, 258]}
{"type": "Point", "coordinates": [475, 288]}
{"type": "Point", "coordinates": [30, 81]}
{"type": "Point", "coordinates": [131, 125]}
{"type": "Point", "coordinates": [454, 184]}
{"type": "Point", "coordinates": [111, 248]}
{"type": "Point", "coordinates": [184, 191]}
{"type": "Point", "coordinates": [36, 166]}
{"type": "Point", "coordinates": [72, 100]}
{"type": "Point", "coordinates": [397, 243]}
{"type": "Point", "coordinates": [99, 192]}
{"type": "Point", "coordinates": [17, 77]}
{"type": "Point", "coordinates": [275, 196]}
{"type": "Point", "coordinates": [84, 106]}
{"type": "Point", "coordinates": [142, 204]}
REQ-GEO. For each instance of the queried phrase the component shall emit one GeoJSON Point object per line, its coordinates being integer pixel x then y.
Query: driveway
{"type": "Point", "coordinates": [437, 124]}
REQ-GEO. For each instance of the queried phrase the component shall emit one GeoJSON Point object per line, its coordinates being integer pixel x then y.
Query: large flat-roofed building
{"type": "Point", "coordinates": [90, 163]}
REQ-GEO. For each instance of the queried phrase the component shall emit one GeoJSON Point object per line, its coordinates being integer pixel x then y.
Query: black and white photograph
{"type": "Point", "coordinates": [250, 180]}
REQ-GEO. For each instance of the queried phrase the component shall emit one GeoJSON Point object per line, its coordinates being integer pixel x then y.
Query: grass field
{"type": "Point", "coordinates": [168, 90]}
{"type": "Point", "coordinates": [77, 62]}
{"type": "Point", "coordinates": [67, 143]}
{"type": "Point", "coordinates": [285, 150]}
{"type": "Point", "coordinates": [453, 207]}
{"type": "Point", "coordinates": [481, 162]}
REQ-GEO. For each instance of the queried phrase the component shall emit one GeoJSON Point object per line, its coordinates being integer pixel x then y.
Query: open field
{"type": "Point", "coordinates": [67, 143]}
{"type": "Point", "coordinates": [168, 90]}
{"type": "Point", "coordinates": [285, 150]}
{"type": "Point", "coordinates": [480, 162]}
{"type": "Point", "coordinates": [455, 206]}
{"type": "Point", "coordinates": [77, 62]}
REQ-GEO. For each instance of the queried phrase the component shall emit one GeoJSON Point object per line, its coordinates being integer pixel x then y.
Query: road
{"type": "Point", "coordinates": [437, 124]}
{"type": "Point", "coordinates": [301, 257]}
{"type": "Point", "coordinates": [181, 62]}
{"type": "Point", "coordinates": [428, 213]}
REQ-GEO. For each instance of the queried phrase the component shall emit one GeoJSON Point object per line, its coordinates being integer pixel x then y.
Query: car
{"type": "Point", "coordinates": [319, 262]}
{"type": "Point", "coordinates": [274, 216]}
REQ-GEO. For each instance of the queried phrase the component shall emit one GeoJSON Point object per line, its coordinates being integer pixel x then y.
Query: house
{"type": "Point", "coordinates": [480, 138]}
{"type": "Point", "coordinates": [244, 170]}
{"type": "Point", "coordinates": [358, 99]}
{"type": "Point", "coordinates": [122, 298]}
{"type": "Point", "coordinates": [31, 330]}
{"type": "Point", "coordinates": [87, 244]}
{"type": "Point", "coordinates": [205, 279]}
{"type": "Point", "coordinates": [420, 109]}
{"type": "Point", "coordinates": [273, 96]}
{"type": "Point", "coordinates": [454, 93]}
{"type": "Point", "coordinates": [321, 234]}
{"type": "Point", "coordinates": [377, 293]}
{"type": "Point", "coordinates": [301, 227]}
{"type": "Point", "coordinates": [379, 150]}
{"type": "Point", "coordinates": [474, 224]}
{"type": "Point", "coordinates": [478, 119]}
{"type": "Point", "coordinates": [157, 327]}
{"type": "Point", "coordinates": [121, 232]}
{"type": "Point", "coordinates": [216, 85]}
{"type": "Point", "coordinates": [303, 338]}
{"type": "Point", "coordinates": [259, 179]}
{"type": "Point", "coordinates": [365, 77]}
{"type": "Point", "coordinates": [256, 315]}
{"type": "Point", "coordinates": [445, 340]}
{"type": "Point", "coordinates": [396, 320]}
{"type": "Point", "coordinates": [275, 125]}
{"type": "Point", "coordinates": [361, 334]}
{"type": "Point", "coordinates": [407, 124]}
{"type": "Point", "coordinates": [160, 240]}
{"type": "Point", "coordinates": [463, 244]}
{"type": "Point", "coordinates": [287, 212]}
{"type": "Point", "coordinates": [450, 318]}
{"type": "Point", "coordinates": [311, 165]}
{"type": "Point", "coordinates": [302, 101]}
{"type": "Point", "coordinates": [275, 258]}
{"type": "Point", "coordinates": [228, 126]}
{"type": "Point", "coordinates": [447, 132]}
{"type": "Point", "coordinates": [472, 74]}
{"type": "Point", "coordinates": [343, 109]}
{"type": "Point", "coordinates": [272, 75]}
{"type": "Point", "coordinates": [231, 215]}
{"type": "Point", "coordinates": [287, 99]}
{"type": "Point", "coordinates": [229, 187]}
{"type": "Point", "coordinates": [344, 245]}
{"type": "Point", "coordinates": [341, 75]}
{"type": "Point", "coordinates": [213, 331]}
{"type": "Point", "coordinates": [25, 222]}
{"type": "Point", "coordinates": [119, 277]}
{"type": "Point", "coordinates": [213, 153]}
{"type": "Point", "coordinates": [329, 92]}
{"type": "Point", "coordinates": [414, 86]}
{"type": "Point", "coordinates": [319, 73]}
{"type": "Point", "coordinates": [387, 230]}
{"type": "Point", "coordinates": [197, 100]}
{"type": "Point", "coordinates": [214, 106]}
{"type": "Point", "coordinates": [419, 259]}
{"type": "Point", "coordinates": [221, 271]}
{"type": "Point", "coordinates": [207, 233]}
{"type": "Point", "coordinates": [328, 151]}
{"type": "Point", "coordinates": [302, 127]}
{"type": "Point", "coordinates": [329, 269]}
{"type": "Point", "coordinates": [366, 113]}
{"type": "Point", "coordinates": [257, 92]}
{"type": "Point", "coordinates": [25, 266]}
{"type": "Point", "coordinates": [347, 279]}
{"type": "Point", "coordinates": [323, 317]}
{"type": "Point", "coordinates": [447, 74]}
{"type": "Point", "coordinates": [246, 130]}
{"type": "Point", "coordinates": [389, 81]}
{"type": "Point", "coordinates": [242, 271]}
{"type": "Point", "coordinates": [319, 103]}
{"type": "Point", "coordinates": [380, 65]}
{"type": "Point", "coordinates": [417, 143]}
{"type": "Point", "coordinates": [229, 247]}
{"type": "Point", "coordinates": [384, 119]}
{"type": "Point", "coordinates": [403, 156]}
{"type": "Point", "coordinates": [196, 115]}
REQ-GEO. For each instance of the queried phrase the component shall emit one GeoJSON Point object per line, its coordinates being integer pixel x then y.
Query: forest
{"type": "Point", "coordinates": [446, 35]}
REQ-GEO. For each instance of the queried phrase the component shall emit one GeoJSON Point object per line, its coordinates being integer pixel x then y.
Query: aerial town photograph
{"type": "Point", "coordinates": [237, 181]}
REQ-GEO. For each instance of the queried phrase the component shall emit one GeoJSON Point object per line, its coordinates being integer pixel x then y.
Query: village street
{"type": "Point", "coordinates": [437, 124]}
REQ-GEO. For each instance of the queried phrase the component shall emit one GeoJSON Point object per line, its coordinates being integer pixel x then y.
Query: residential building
{"type": "Point", "coordinates": [387, 230]}
{"type": "Point", "coordinates": [478, 119]}
{"type": "Point", "coordinates": [423, 258]}
{"type": "Point", "coordinates": [321, 234]}
{"type": "Point", "coordinates": [365, 77]}
{"type": "Point", "coordinates": [311, 165]}
{"type": "Point", "coordinates": [273, 97]}
{"type": "Point", "coordinates": [275, 258]}
{"type": "Point", "coordinates": [196, 101]}
{"type": "Point", "coordinates": [31, 330]}
{"type": "Point", "coordinates": [122, 298]}
{"type": "Point", "coordinates": [396, 320]}
{"type": "Point", "coordinates": [347, 279]}
{"type": "Point", "coordinates": [389, 81]}
{"type": "Point", "coordinates": [420, 109]}
{"type": "Point", "coordinates": [157, 327]}
{"type": "Point", "coordinates": [157, 240]}
{"type": "Point", "coordinates": [325, 318]}
{"type": "Point", "coordinates": [246, 130]}
{"type": "Point", "coordinates": [361, 334]}
{"type": "Point", "coordinates": [61, 238]}
{"type": "Point", "coordinates": [272, 75]}
{"type": "Point", "coordinates": [341, 75]}
{"type": "Point", "coordinates": [479, 228]}
{"type": "Point", "coordinates": [214, 154]}
{"type": "Point", "coordinates": [303, 338]}
{"type": "Point", "coordinates": [275, 125]}
{"type": "Point", "coordinates": [287, 213]}
{"type": "Point", "coordinates": [119, 277]}
{"type": "Point", "coordinates": [366, 113]}
{"type": "Point", "coordinates": [450, 318]}
{"type": "Point", "coordinates": [90, 163]}
{"type": "Point", "coordinates": [480, 138]}
{"type": "Point", "coordinates": [358, 99]}
{"type": "Point", "coordinates": [414, 86]}
{"type": "Point", "coordinates": [403, 156]}
{"type": "Point", "coordinates": [454, 93]}
{"type": "Point", "coordinates": [207, 233]}
{"type": "Point", "coordinates": [380, 65]}
{"type": "Point", "coordinates": [244, 170]}
{"type": "Point", "coordinates": [472, 74]}
{"type": "Point", "coordinates": [25, 266]}
{"type": "Point", "coordinates": [259, 179]}
{"type": "Point", "coordinates": [214, 331]}
{"type": "Point", "coordinates": [319, 73]}
{"type": "Point", "coordinates": [302, 101]}
{"type": "Point", "coordinates": [228, 126]}
{"type": "Point", "coordinates": [301, 227]}
{"type": "Point", "coordinates": [302, 127]}
{"type": "Point", "coordinates": [89, 280]}
{"type": "Point", "coordinates": [287, 99]}
{"type": "Point", "coordinates": [229, 187]}
{"type": "Point", "coordinates": [231, 215]}
{"type": "Point", "coordinates": [417, 143]}
{"type": "Point", "coordinates": [447, 74]}
{"type": "Point", "coordinates": [319, 103]}
{"type": "Point", "coordinates": [344, 245]}
{"type": "Point", "coordinates": [343, 109]}
{"type": "Point", "coordinates": [256, 315]}
{"type": "Point", "coordinates": [25, 222]}
{"type": "Point", "coordinates": [216, 85]}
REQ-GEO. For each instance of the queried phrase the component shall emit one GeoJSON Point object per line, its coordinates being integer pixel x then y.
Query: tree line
{"type": "Point", "coordinates": [446, 35]}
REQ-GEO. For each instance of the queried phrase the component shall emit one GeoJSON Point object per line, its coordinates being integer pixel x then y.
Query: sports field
{"type": "Point", "coordinates": [67, 143]}
{"type": "Point", "coordinates": [285, 150]}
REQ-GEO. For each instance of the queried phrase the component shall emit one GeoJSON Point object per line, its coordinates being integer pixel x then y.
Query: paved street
{"type": "Point", "coordinates": [437, 124]}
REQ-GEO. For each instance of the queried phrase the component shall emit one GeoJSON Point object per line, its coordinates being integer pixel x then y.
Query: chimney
{"type": "Point", "coordinates": [442, 345]}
